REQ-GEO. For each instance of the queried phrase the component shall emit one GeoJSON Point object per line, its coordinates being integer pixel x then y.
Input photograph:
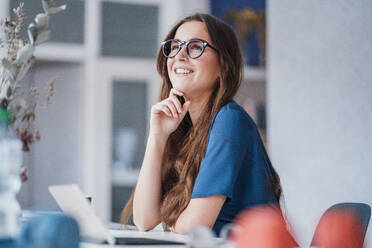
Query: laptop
{"type": "Point", "coordinates": [73, 203]}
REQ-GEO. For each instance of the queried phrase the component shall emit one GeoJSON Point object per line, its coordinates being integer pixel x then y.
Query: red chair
{"type": "Point", "coordinates": [342, 225]}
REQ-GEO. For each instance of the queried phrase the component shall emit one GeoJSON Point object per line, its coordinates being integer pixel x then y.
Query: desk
{"type": "Point", "coordinates": [88, 245]}
{"type": "Point", "coordinates": [46, 222]}
{"type": "Point", "coordinates": [155, 234]}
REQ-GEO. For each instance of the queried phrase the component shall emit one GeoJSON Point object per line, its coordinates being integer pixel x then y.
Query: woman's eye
{"type": "Point", "coordinates": [175, 47]}
{"type": "Point", "coordinates": [196, 47]}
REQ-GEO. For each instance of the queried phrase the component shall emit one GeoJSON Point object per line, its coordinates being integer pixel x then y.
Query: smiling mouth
{"type": "Point", "coordinates": [180, 71]}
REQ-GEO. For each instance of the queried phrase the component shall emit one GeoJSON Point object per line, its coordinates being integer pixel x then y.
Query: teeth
{"type": "Point", "coordinates": [182, 71]}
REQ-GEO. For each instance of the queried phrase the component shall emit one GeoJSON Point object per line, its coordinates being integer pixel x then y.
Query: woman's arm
{"type": "Point", "coordinates": [218, 171]}
{"type": "Point", "coordinates": [165, 118]}
{"type": "Point", "coordinates": [200, 211]}
{"type": "Point", "coordinates": [146, 201]}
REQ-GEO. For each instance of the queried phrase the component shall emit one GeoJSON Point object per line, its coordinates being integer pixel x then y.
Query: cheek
{"type": "Point", "coordinates": [211, 66]}
{"type": "Point", "coordinates": [169, 66]}
{"type": "Point", "coordinates": [212, 70]}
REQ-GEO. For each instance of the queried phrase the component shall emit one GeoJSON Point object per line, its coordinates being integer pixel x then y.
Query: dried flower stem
{"type": "Point", "coordinates": [16, 64]}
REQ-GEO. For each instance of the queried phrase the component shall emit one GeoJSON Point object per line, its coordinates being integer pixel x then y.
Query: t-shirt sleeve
{"type": "Point", "coordinates": [219, 168]}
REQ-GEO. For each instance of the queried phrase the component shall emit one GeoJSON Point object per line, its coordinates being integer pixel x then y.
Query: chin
{"type": "Point", "coordinates": [182, 89]}
{"type": "Point", "coordinates": [181, 86]}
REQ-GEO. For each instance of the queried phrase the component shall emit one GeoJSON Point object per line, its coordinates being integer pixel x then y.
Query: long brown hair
{"type": "Point", "coordinates": [185, 148]}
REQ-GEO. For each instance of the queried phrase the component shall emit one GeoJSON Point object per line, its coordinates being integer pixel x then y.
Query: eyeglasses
{"type": "Point", "coordinates": [194, 48]}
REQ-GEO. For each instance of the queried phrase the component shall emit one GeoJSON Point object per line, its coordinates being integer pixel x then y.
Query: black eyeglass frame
{"type": "Point", "coordinates": [186, 43]}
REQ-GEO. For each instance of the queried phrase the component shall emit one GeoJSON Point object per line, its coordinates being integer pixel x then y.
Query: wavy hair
{"type": "Point", "coordinates": [186, 146]}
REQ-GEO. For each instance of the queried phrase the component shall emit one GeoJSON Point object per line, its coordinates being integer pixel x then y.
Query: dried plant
{"type": "Point", "coordinates": [17, 57]}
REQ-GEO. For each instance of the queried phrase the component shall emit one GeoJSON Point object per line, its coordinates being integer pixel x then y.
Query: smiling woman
{"type": "Point", "coordinates": [194, 76]}
{"type": "Point", "coordinates": [204, 161]}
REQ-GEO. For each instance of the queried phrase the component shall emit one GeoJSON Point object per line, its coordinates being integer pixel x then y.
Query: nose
{"type": "Point", "coordinates": [182, 53]}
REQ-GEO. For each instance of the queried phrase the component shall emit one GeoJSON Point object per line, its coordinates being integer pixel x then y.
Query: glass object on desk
{"type": "Point", "coordinates": [129, 104]}
{"type": "Point", "coordinates": [126, 142]}
{"type": "Point", "coordinates": [10, 180]}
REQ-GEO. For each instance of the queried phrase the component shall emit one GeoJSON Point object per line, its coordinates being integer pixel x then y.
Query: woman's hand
{"type": "Point", "coordinates": [168, 114]}
{"type": "Point", "coordinates": [165, 118]}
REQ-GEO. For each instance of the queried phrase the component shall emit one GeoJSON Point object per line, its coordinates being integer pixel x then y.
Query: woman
{"type": "Point", "coordinates": [204, 161]}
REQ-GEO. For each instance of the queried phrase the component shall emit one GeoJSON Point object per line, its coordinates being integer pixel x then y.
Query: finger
{"type": "Point", "coordinates": [174, 92]}
{"type": "Point", "coordinates": [177, 103]}
{"type": "Point", "coordinates": [186, 106]}
{"type": "Point", "coordinates": [172, 107]}
{"type": "Point", "coordinates": [161, 107]}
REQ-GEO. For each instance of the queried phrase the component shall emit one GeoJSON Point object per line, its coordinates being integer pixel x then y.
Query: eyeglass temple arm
{"type": "Point", "coordinates": [207, 44]}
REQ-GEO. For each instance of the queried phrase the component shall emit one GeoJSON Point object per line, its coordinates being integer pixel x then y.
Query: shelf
{"type": "Point", "coordinates": [252, 73]}
{"type": "Point", "coordinates": [124, 178]}
{"type": "Point", "coordinates": [60, 52]}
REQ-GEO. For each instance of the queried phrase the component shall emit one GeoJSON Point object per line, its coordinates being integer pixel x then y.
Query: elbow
{"type": "Point", "coordinates": [184, 230]}
{"type": "Point", "coordinates": [184, 226]}
{"type": "Point", "coordinates": [180, 231]}
{"type": "Point", "coordinates": [145, 219]}
{"type": "Point", "coordinates": [144, 225]}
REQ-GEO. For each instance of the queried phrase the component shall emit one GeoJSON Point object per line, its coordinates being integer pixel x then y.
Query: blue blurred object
{"type": "Point", "coordinates": [250, 47]}
{"type": "Point", "coordinates": [49, 231]}
{"type": "Point", "coordinates": [8, 243]}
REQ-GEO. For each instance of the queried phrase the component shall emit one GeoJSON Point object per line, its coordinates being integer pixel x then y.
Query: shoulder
{"type": "Point", "coordinates": [233, 123]}
{"type": "Point", "coordinates": [233, 116]}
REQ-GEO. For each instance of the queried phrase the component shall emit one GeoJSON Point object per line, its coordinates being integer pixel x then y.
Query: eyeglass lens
{"type": "Point", "coordinates": [193, 49]}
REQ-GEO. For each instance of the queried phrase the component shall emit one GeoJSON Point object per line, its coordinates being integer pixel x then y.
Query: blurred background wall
{"type": "Point", "coordinates": [320, 105]}
{"type": "Point", "coordinates": [314, 82]}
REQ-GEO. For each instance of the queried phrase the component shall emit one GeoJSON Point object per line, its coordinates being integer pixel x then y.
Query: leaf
{"type": "Point", "coordinates": [9, 92]}
{"type": "Point", "coordinates": [24, 69]}
{"type": "Point", "coordinates": [55, 10]}
{"type": "Point", "coordinates": [21, 43]}
{"type": "Point", "coordinates": [19, 103]}
{"type": "Point", "coordinates": [32, 116]}
{"type": "Point", "coordinates": [46, 4]}
{"type": "Point", "coordinates": [32, 33]}
{"type": "Point", "coordinates": [11, 69]}
{"type": "Point", "coordinates": [42, 21]}
{"type": "Point", "coordinates": [24, 54]}
{"type": "Point", "coordinates": [49, 9]}
{"type": "Point", "coordinates": [4, 89]}
{"type": "Point", "coordinates": [43, 36]}
{"type": "Point", "coordinates": [39, 32]}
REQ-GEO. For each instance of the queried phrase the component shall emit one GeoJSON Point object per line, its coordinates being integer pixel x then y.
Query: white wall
{"type": "Point", "coordinates": [55, 158]}
{"type": "Point", "coordinates": [320, 105]}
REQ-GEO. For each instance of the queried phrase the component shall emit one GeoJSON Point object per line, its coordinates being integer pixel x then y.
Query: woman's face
{"type": "Point", "coordinates": [194, 77]}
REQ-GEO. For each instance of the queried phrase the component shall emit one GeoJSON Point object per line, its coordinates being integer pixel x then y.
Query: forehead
{"type": "Point", "coordinates": [192, 30]}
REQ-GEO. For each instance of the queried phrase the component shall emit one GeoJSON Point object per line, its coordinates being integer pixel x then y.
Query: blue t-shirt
{"type": "Point", "coordinates": [235, 165]}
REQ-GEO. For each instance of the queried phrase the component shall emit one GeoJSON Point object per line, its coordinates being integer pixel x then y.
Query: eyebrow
{"type": "Point", "coordinates": [194, 38]}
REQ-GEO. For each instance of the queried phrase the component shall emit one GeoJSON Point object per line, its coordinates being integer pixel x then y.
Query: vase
{"type": "Point", "coordinates": [10, 181]}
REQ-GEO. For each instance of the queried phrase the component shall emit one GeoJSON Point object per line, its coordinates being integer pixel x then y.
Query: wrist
{"type": "Point", "coordinates": [159, 138]}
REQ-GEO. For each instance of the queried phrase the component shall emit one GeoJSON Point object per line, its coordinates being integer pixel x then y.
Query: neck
{"type": "Point", "coordinates": [197, 107]}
